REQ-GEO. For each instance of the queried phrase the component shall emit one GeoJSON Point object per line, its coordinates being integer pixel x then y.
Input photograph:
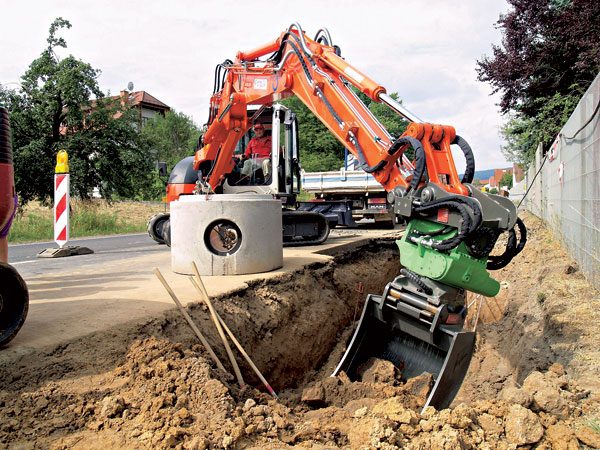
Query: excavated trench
{"type": "Point", "coordinates": [291, 325]}
{"type": "Point", "coordinates": [139, 386]}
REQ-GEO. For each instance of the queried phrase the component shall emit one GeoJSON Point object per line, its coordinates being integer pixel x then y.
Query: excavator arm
{"type": "Point", "coordinates": [452, 226]}
{"type": "Point", "coordinates": [313, 71]}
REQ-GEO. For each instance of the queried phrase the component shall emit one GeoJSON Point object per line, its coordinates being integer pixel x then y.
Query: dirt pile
{"type": "Point", "coordinates": [154, 387]}
{"type": "Point", "coordinates": [165, 396]}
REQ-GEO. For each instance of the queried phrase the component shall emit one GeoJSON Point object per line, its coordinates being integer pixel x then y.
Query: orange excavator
{"type": "Point", "coordinates": [452, 227]}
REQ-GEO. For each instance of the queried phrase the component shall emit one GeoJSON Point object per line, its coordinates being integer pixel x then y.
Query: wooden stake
{"type": "Point", "coordinates": [478, 311]}
{"type": "Point", "coordinates": [189, 320]}
{"type": "Point", "coordinates": [213, 314]}
{"type": "Point", "coordinates": [239, 346]}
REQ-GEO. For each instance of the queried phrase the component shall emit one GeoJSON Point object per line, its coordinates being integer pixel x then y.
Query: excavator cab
{"type": "Point", "coordinates": [279, 174]}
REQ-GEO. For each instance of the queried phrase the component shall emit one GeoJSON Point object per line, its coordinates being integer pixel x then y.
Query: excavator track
{"type": "Point", "coordinates": [304, 228]}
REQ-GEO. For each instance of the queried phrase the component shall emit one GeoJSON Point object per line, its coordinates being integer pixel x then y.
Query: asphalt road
{"type": "Point", "coordinates": [106, 250]}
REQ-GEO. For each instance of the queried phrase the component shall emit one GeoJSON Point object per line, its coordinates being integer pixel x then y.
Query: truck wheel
{"type": "Point", "coordinates": [14, 303]}
{"type": "Point", "coordinates": [167, 232]}
{"type": "Point", "coordinates": [156, 225]}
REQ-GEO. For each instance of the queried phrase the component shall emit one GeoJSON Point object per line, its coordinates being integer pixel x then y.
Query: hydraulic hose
{"type": "Point", "coordinates": [463, 232]}
{"type": "Point", "coordinates": [488, 236]}
{"type": "Point", "coordinates": [361, 157]}
{"type": "Point", "coordinates": [469, 158]}
{"type": "Point", "coordinates": [512, 248]}
{"type": "Point", "coordinates": [472, 204]}
{"type": "Point", "coordinates": [420, 165]}
{"type": "Point", "coordinates": [415, 278]}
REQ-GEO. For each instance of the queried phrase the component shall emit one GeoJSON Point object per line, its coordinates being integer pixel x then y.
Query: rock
{"type": "Point", "coordinates": [461, 417]}
{"type": "Point", "coordinates": [112, 406]}
{"type": "Point", "coordinates": [280, 422]}
{"type": "Point", "coordinates": [40, 404]}
{"type": "Point", "coordinates": [588, 436]}
{"type": "Point", "coordinates": [343, 378]}
{"type": "Point", "coordinates": [558, 369]}
{"type": "Point", "coordinates": [314, 396]}
{"type": "Point", "coordinates": [513, 394]}
{"type": "Point", "coordinates": [428, 413]}
{"type": "Point", "coordinates": [227, 441]}
{"type": "Point", "coordinates": [420, 387]}
{"type": "Point", "coordinates": [305, 432]}
{"type": "Point", "coordinates": [197, 443]}
{"type": "Point", "coordinates": [258, 410]}
{"type": "Point", "coordinates": [549, 399]}
{"type": "Point", "coordinates": [533, 382]}
{"type": "Point", "coordinates": [360, 412]}
{"type": "Point", "coordinates": [95, 425]}
{"type": "Point", "coordinates": [561, 437]}
{"type": "Point", "coordinates": [170, 440]}
{"type": "Point", "coordinates": [183, 414]}
{"type": "Point", "coordinates": [146, 436]}
{"type": "Point", "coordinates": [395, 410]}
{"type": "Point", "coordinates": [523, 426]}
{"type": "Point", "coordinates": [376, 370]}
{"type": "Point", "coordinates": [446, 439]}
{"type": "Point", "coordinates": [490, 424]}
{"type": "Point", "coordinates": [250, 403]}
{"type": "Point", "coordinates": [546, 394]}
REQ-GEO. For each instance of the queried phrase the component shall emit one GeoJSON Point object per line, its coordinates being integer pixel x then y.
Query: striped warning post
{"type": "Point", "coordinates": [61, 199]}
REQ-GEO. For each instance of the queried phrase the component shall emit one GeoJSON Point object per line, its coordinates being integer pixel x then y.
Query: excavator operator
{"type": "Point", "coordinates": [258, 151]}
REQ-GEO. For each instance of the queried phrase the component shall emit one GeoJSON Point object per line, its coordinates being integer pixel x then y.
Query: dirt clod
{"type": "Point", "coordinates": [588, 436]}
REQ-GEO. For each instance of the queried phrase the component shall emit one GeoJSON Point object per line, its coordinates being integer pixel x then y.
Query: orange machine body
{"type": "Point", "coordinates": [321, 79]}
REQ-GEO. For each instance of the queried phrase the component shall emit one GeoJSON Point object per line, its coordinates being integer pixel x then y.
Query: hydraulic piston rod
{"type": "Point", "coordinates": [398, 108]}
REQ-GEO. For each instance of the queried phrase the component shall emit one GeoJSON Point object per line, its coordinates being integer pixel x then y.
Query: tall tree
{"type": "Point", "coordinates": [54, 109]}
{"type": "Point", "coordinates": [320, 149]}
{"type": "Point", "coordinates": [550, 54]}
{"type": "Point", "coordinates": [168, 139]}
{"type": "Point", "coordinates": [172, 138]}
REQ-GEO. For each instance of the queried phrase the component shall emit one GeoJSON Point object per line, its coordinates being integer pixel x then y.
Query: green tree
{"type": "Point", "coordinates": [550, 54]}
{"type": "Point", "coordinates": [506, 180]}
{"type": "Point", "coordinates": [171, 138]}
{"type": "Point", "coordinates": [53, 110]}
{"type": "Point", "coordinates": [523, 134]}
{"type": "Point", "coordinates": [320, 149]}
{"type": "Point", "coordinates": [168, 139]}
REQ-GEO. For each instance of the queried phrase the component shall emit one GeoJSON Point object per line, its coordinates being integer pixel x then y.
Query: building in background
{"type": "Point", "coordinates": [148, 106]}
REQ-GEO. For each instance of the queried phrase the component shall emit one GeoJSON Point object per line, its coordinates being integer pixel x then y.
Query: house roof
{"type": "Point", "coordinates": [145, 99]}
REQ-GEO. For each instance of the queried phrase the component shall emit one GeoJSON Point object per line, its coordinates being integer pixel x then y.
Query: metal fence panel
{"type": "Point", "coordinates": [566, 193]}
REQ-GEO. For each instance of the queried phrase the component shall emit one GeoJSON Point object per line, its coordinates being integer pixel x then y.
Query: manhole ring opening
{"type": "Point", "coordinates": [223, 237]}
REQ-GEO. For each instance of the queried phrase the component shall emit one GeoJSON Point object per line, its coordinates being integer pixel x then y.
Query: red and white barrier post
{"type": "Point", "coordinates": [61, 199]}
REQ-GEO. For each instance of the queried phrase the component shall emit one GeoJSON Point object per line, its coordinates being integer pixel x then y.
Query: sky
{"type": "Point", "coordinates": [426, 51]}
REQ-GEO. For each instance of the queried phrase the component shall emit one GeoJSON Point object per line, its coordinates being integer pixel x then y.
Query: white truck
{"type": "Point", "coordinates": [369, 199]}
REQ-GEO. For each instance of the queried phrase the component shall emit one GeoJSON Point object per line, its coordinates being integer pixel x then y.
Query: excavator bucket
{"type": "Point", "coordinates": [416, 335]}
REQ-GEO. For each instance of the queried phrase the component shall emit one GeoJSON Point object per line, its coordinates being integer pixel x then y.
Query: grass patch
{"type": "Point", "coordinates": [594, 424]}
{"type": "Point", "coordinates": [541, 297]}
{"type": "Point", "coordinates": [87, 218]}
